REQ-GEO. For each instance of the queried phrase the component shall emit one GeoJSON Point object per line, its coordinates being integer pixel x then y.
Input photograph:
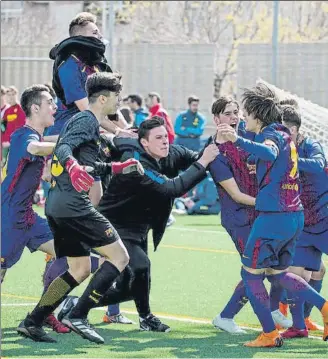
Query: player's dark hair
{"type": "Point", "coordinates": [148, 125]}
{"type": "Point", "coordinates": [135, 98]}
{"type": "Point", "coordinates": [155, 94]}
{"type": "Point", "coordinates": [289, 101]}
{"type": "Point", "coordinates": [291, 116]}
{"type": "Point", "coordinates": [32, 96]}
{"type": "Point", "coordinates": [192, 99]}
{"type": "Point", "coordinates": [265, 91]}
{"type": "Point", "coordinates": [51, 90]}
{"type": "Point", "coordinates": [221, 103]}
{"type": "Point", "coordinates": [265, 109]}
{"type": "Point", "coordinates": [102, 83]}
{"type": "Point", "coordinates": [82, 19]}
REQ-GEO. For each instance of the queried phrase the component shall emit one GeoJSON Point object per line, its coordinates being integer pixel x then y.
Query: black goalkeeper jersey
{"type": "Point", "coordinates": [79, 138]}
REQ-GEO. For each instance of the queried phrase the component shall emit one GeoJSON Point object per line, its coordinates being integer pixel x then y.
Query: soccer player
{"type": "Point", "coordinates": [314, 238]}
{"type": "Point", "coordinates": [21, 226]}
{"type": "Point", "coordinates": [270, 248]}
{"type": "Point", "coordinates": [76, 225]}
{"type": "Point", "coordinates": [135, 204]}
{"type": "Point", "coordinates": [77, 57]}
{"type": "Point", "coordinates": [237, 189]}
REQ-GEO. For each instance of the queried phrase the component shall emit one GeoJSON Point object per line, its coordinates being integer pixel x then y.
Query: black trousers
{"type": "Point", "coordinates": [134, 281]}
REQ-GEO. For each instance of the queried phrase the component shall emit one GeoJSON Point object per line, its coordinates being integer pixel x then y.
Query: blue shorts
{"type": "Point", "coordinates": [239, 237]}
{"type": "Point", "coordinates": [272, 241]}
{"type": "Point", "coordinates": [312, 243]}
{"type": "Point", "coordinates": [14, 240]}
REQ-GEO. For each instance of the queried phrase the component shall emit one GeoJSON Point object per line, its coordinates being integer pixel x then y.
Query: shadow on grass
{"type": "Point", "coordinates": [194, 341]}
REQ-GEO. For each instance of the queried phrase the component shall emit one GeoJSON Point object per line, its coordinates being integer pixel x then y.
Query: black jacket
{"type": "Point", "coordinates": [134, 204]}
{"type": "Point", "coordinates": [89, 50]}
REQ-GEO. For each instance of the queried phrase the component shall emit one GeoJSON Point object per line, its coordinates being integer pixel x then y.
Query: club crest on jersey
{"type": "Point", "coordinates": [108, 232]}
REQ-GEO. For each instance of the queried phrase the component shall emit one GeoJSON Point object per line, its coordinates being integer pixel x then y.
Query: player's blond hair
{"type": "Point", "coordinates": [82, 19]}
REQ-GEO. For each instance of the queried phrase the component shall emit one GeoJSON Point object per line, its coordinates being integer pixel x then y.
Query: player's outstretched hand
{"type": "Point", "coordinates": [80, 178]}
{"type": "Point", "coordinates": [209, 155]}
{"type": "Point", "coordinates": [227, 132]}
{"type": "Point", "coordinates": [131, 165]}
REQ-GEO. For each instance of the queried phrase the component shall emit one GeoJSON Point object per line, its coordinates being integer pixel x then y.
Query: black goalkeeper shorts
{"type": "Point", "coordinates": [76, 236]}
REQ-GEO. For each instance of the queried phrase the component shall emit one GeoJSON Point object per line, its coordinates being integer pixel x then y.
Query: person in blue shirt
{"type": "Point", "coordinates": [237, 187]}
{"type": "Point", "coordinates": [314, 238]}
{"type": "Point", "coordinates": [140, 114]}
{"type": "Point", "coordinates": [205, 199]}
{"type": "Point", "coordinates": [189, 126]}
{"type": "Point", "coordinates": [270, 247]}
{"type": "Point", "coordinates": [21, 226]}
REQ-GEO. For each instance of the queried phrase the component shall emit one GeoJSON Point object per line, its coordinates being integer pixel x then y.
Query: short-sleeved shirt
{"type": "Point", "coordinates": [73, 74]}
{"type": "Point", "coordinates": [81, 134]}
{"type": "Point", "coordinates": [22, 178]}
{"type": "Point", "coordinates": [314, 185]}
{"type": "Point", "coordinates": [232, 163]}
{"type": "Point", "coordinates": [279, 185]}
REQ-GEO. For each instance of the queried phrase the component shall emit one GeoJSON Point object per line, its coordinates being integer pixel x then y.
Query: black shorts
{"type": "Point", "coordinates": [76, 236]}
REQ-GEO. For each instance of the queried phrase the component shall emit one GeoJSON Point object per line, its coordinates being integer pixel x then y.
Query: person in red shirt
{"type": "Point", "coordinates": [4, 106]}
{"type": "Point", "coordinates": [13, 118]}
{"type": "Point", "coordinates": [153, 102]}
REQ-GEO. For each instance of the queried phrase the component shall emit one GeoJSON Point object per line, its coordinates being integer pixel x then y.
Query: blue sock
{"type": "Point", "coordinates": [296, 307]}
{"type": "Point", "coordinates": [298, 287]}
{"type": "Point", "coordinates": [259, 299]}
{"type": "Point", "coordinates": [317, 285]}
{"type": "Point", "coordinates": [277, 294]}
{"type": "Point", "coordinates": [113, 309]}
{"type": "Point", "coordinates": [236, 302]}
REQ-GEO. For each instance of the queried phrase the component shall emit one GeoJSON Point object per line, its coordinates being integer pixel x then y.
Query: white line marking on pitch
{"type": "Point", "coordinates": [186, 320]}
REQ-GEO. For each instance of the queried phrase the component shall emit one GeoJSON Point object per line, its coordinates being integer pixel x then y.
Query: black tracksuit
{"type": "Point", "coordinates": [134, 204]}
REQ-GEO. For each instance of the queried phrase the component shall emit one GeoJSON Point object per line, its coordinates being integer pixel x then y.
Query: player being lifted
{"type": "Point", "coordinates": [270, 248]}
{"type": "Point", "coordinates": [76, 225]}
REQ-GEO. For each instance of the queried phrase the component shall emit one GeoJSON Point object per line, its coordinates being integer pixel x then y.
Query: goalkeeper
{"type": "Point", "coordinates": [76, 225]}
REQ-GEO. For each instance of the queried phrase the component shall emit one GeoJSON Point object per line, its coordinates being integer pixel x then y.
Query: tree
{"type": "Point", "coordinates": [225, 24]}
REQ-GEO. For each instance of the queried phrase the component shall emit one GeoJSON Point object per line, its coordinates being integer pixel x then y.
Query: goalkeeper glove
{"type": "Point", "coordinates": [131, 165]}
{"type": "Point", "coordinates": [79, 176]}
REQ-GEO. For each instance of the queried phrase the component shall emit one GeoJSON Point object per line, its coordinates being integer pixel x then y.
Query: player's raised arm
{"type": "Point", "coordinates": [129, 166]}
{"type": "Point", "coordinates": [267, 151]}
{"type": "Point", "coordinates": [315, 162]}
{"type": "Point", "coordinates": [178, 186]}
{"type": "Point", "coordinates": [38, 148]}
